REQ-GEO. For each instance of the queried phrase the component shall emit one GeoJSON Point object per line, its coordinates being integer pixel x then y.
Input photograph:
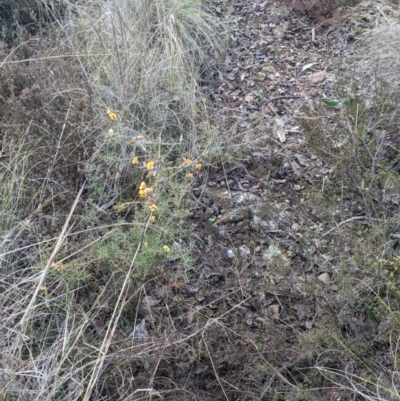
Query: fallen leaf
{"type": "Point", "coordinates": [249, 98]}
{"type": "Point", "coordinates": [259, 223]}
{"type": "Point", "coordinates": [296, 168]}
{"type": "Point", "coordinates": [307, 66]}
{"type": "Point", "coordinates": [317, 77]}
{"type": "Point", "coordinates": [280, 132]}
{"type": "Point", "coordinates": [301, 159]}
{"type": "Point", "coordinates": [271, 107]}
{"type": "Point", "coordinates": [273, 312]}
{"type": "Point", "coordinates": [150, 301]}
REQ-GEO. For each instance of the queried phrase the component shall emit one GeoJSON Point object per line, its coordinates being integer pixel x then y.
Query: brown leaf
{"type": "Point", "coordinates": [301, 159]}
{"type": "Point", "coordinates": [280, 132]}
{"type": "Point", "coordinates": [150, 301]}
{"type": "Point", "coordinates": [271, 107]}
{"type": "Point", "coordinates": [296, 168]}
{"type": "Point", "coordinates": [273, 311]}
{"type": "Point", "coordinates": [317, 77]}
{"type": "Point", "coordinates": [249, 98]}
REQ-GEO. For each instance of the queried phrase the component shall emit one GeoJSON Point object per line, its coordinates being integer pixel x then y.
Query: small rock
{"type": "Point", "coordinates": [261, 76]}
{"type": "Point", "coordinates": [295, 227]}
{"type": "Point", "coordinates": [228, 253]}
{"type": "Point", "coordinates": [234, 216]}
{"type": "Point", "coordinates": [268, 69]}
{"type": "Point", "coordinates": [309, 324]}
{"type": "Point", "coordinates": [244, 250]}
{"type": "Point", "coordinates": [324, 278]}
{"type": "Point", "coordinates": [238, 199]}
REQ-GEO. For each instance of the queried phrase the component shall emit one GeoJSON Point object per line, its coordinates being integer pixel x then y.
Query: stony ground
{"type": "Point", "coordinates": [265, 303]}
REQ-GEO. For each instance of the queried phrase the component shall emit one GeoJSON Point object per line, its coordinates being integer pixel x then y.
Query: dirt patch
{"type": "Point", "coordinates": [265, 303]}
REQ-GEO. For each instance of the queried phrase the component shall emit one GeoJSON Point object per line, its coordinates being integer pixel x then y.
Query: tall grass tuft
{"type": "Point", "coordinates": [142, 60]}
{"type": "Point", "coordinates": [109, 82]}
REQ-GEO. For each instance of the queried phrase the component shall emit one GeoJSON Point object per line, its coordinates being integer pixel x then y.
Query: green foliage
{"type": "Point", "coordinates": [342, 102]}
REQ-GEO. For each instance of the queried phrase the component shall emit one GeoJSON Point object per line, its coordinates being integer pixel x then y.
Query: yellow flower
{"type": "Point", "coordinates": [145, 191]}
{"type": "Point", "coordinates": [166, 248]}
{"type": "Point", "coordinates": [111, 132]}
{"type": "Point", "coordinates": [57, 266]}
{"type": "Point", "coordinates": [135, 160]}
{"type": "Point", "coordinates": [189, 176]}
{"type": "Point", "coordinates": [150, 165]}
{"type": "Point", "coordinates": [111, 114]}
{"type": "Point", "coordinates": [153, 208]}
{"type": "Point", "coordinates": [142, 189]}
{"type": "Point", "coordinates": [153, 218]}
{"type": "Point", "coordinates": [198, 166]}
{"type": "Point", "coordinates": [145, 243]}
{"type": "Point", "coordinates": [43, 288]}
{"type": "Point", "coordinates": [148, 191]}
{"type": "Point", "coordinates": [186, 160]}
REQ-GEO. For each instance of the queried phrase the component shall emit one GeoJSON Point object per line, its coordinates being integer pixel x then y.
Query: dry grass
{"type": "Point", "coordinates": [83, 263]}
{"type": "Point", "coordinates": [73, 272]}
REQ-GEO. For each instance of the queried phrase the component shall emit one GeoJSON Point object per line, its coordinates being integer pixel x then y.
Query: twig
{"type": "Point", "coordinates": [344, 222]}
{"type": "Point", "coordinates": [57, 247]}
{"type": "Point", "coordinates": [281, 97]}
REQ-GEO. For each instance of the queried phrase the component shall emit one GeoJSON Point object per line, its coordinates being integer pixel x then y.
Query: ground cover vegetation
{"type": "Point", "coordinates": [194, 206]}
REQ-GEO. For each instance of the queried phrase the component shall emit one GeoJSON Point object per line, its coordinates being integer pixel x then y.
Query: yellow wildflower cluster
{"type": "Point", "coordinates": [150, 166]}
{"type": "Point", "coordinates": [111, 114]}
{"type": "Point", "coordinates": [137, 138]}
{"type": "Point", "coordinates": [145, 191]}
{"type": "Point", "coordinates": [57, 266]}
{"type": "Point", "coordinates": [148, 193]}
{"type": "Point", "coordinates": [188, 162]}
{"type": "Point", "coordinates": [153, 208]}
